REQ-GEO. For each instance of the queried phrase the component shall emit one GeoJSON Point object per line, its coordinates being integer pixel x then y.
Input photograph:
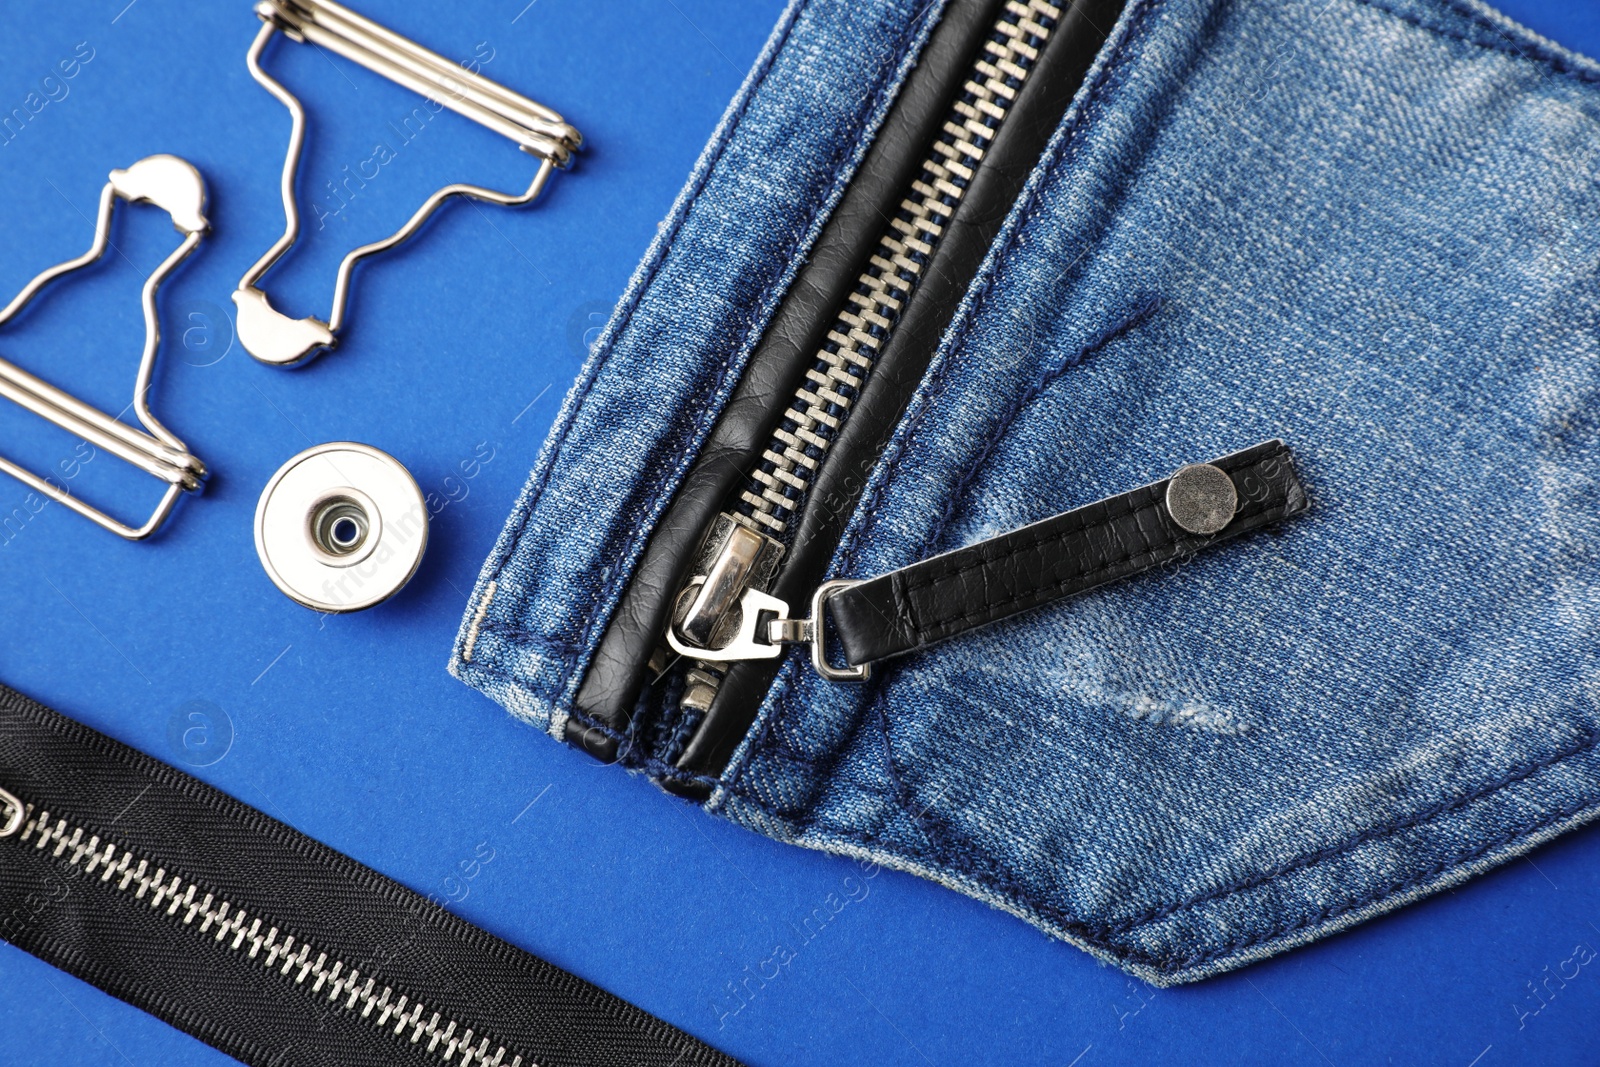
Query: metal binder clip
{"type": "Point", "coordinates": [175, 186]}
{"type": "Point", "coordinates": [268, 334]}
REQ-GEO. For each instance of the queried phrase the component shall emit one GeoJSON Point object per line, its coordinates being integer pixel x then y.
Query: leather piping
{"type": "Point", "coordinates": [616, 674]}
{"type": "Point", "coordinates": [904, 361]}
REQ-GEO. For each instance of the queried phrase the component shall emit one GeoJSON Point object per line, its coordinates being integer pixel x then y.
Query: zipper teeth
{"type": "Point", "coordinates": [274, 949]}
{"type": "Point", "coordinates": [776, 489]}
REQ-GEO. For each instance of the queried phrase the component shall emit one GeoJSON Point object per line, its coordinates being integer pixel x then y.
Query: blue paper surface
{"type": "Point", "coordinates": [457, 351]}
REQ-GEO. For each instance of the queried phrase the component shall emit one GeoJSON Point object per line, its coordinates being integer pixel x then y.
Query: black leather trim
{"type": "Point", "coordinates": [1030, 122]}
{"type": "Point", "coordinates": [610, 688]}
{"type": "Point", "coordinates": [1047, 561]}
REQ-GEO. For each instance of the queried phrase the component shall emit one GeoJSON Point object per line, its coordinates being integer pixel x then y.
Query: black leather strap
{"type": "Point", "coordinates": [1059, 557]}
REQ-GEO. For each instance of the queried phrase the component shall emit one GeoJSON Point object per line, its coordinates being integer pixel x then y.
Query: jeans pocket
{"type": "Point", "coordinates": [1244, 222]}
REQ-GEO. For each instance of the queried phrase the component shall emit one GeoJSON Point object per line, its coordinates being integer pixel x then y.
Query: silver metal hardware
{"type": "Point", "coordinates": [1201, 498]}
{"type": "Point", "coordinates": [751, 640]}
{"type": "Point", "coordinates": [15, 810]}
{"type": "Point", "coordinates": [813, 631]}
{"type": "Point", "coordinates": [745, 642]}
{"type": "Point", "coordinates": [341, 527]}
{"type": "Point", "coordinates": [176, 187]}
{"type": "Point", "coordinates": [777, 487]}
{"type": "Point", "coordinates": [268, 334]}
{"type": "Point", "coordinates": [735, 557]}
{"type": "Point", "coordinates": [721, 588]}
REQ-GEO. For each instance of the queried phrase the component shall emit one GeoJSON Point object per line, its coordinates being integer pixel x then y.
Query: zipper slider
{"type": "Point", "coordinates": [14, 815]}
{"type": "Point", "coordinates": [736, 558]}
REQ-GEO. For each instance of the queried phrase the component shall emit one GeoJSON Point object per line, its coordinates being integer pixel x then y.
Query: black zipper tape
{"type": "Point", "coordinates": [1071, 553]}
{"type": "Point", "coordinates": [264, 943]}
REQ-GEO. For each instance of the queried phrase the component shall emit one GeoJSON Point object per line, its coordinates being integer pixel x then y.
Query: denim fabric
{"type": "Point", "coordinates": [1368, 227]}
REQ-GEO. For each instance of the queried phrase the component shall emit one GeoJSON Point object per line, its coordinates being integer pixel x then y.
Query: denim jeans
{"type": "Point", "coordinates": [1368, 227]}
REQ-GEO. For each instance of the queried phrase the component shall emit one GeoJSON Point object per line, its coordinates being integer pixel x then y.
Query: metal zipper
{"type": "Point", "coordinates": [228, 923]}
{"type": "Point", "coordinates": [261, 941]}
{"type": "Point", "coordinates": [717, 609]}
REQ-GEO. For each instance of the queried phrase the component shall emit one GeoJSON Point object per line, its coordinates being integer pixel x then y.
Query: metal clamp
{"type": "Point", "coordinates": [811, 631]}
{"type": "Point", "coordinates": [270, 335]}
{"type": "Point", "coordinates": [175, 186]}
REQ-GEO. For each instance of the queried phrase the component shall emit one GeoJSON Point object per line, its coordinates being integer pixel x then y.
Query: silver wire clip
{"type": "Point", "coordinates": [270, 335]}
{"type": "Point", "coordinates": [175, 186]}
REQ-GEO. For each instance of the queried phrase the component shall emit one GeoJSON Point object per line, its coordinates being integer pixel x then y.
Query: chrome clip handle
{"type": "Point", "coordinates": [176, 187]}
{"type": "Point", "coordinates": [268, 334]}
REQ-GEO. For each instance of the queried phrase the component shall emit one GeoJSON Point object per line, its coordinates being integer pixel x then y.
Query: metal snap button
{"type": "Point", "coordinates": [1202, 498]}
{"type": "Point", "coordinates": [341, 527]}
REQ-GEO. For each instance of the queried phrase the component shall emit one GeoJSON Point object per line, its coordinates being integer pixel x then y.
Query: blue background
{"type": "Point", "coordinates": [459, 346]}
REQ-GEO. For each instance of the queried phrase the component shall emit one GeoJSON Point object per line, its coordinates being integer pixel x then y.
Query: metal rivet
{"type": "Point", "coordinates": [341, 527]}
{"type": "Point", "coordinates": [1202, 498]}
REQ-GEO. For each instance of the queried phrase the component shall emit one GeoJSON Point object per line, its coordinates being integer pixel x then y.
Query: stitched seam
{"type": "Point", "coordinates": [655, 768]}
{"type": "Point", "coordinates": [962, 856]}
{"type": "Point", "coordinates": [708, 412]}
{"type": "Point", "coordinates": [1540, 55]}
{"type": "Point", "coordinates": [1513, 776]}
{"type": "Point", "coordinates": [1125, 511]}
{"type": "Point", "coordinates": [664, 485]}
{"type": "Point", "coordinates": [647, 283]}
{"type": "Point", "coordinates": [1096, 936]}
{"type": "Point", "coordinates": [1128, 505]}
{"type": "Point", "coordinates": [940, 378]}
{"type": "Point", "coordinates": [530, 637]}
{"type": "Point", "coordinates": [1003, 425]}
{"type": "Point", "coordinates": [1131, 509]}
{"type": "Point", "coordinates": [1089, 575]}
{"type": "Point", "coordinates": [1334, 911]}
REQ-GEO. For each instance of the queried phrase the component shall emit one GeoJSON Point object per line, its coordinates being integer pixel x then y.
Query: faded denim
{"type": "Point", "coordinates": [1368, 227]}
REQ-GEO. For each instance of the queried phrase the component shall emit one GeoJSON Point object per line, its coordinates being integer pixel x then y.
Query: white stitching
{"type": "Point", "coordinates": [477, 621]}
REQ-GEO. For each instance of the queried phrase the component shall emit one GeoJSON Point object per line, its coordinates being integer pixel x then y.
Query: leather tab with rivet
{"type": "Point", "coordinates": [1200, 505]}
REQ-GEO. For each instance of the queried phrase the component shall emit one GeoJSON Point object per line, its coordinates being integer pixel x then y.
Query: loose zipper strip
{"type": "Point", "coordinates": [778, 486]}
{"type": "Point", "coordinates": [263, 942]}
{"type": "Point", "coordinates": [274, 949]}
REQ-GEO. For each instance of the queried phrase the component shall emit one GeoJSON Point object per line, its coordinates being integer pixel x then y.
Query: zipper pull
{"type": "Point", "coordinates": [763, 629]}
{"type": "Point", "coordinates": [736, 558]}
{"type": "Point", "coordinates": [15, 811]}
{"type": "Point", "coordinates": [1201, 505]}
